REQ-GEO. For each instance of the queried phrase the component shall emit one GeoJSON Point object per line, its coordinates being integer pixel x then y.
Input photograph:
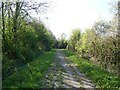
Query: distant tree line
{"type": "Point", "coordinates": [61, 43]}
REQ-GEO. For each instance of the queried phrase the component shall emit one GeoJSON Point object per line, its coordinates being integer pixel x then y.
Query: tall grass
{"type": "Point", "coordinates": [31, 75]}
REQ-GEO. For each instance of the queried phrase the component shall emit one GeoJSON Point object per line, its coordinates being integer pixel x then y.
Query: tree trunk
{"type": "Point", "coordinates": [17, 12]}
{"type": "Point", "coordinates": [3, 22]}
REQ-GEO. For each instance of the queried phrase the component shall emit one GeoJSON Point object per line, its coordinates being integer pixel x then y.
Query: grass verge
{"type": "Point", "coordinates": [31, 75]}
{"type": "Point", "coordinates": [100, 77]}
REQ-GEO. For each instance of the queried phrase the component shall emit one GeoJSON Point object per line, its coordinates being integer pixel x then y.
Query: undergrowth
{"type": "Point", "coordinates": [31, 75]}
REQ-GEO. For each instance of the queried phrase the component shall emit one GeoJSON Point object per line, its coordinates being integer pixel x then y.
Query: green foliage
{"type": "Point", "coordinates": [31, 74]}
{"type": "Point", "coordinates": [24, 38]}
{"type": "Point", "coordinates": [99, 44]}
{"type": "Point", "coordinates": [101, 77]}
{"type": "Point", "coordinates": [62, 42]}
{"type": "Point", "coordinates": [74, 38]}
{"type": "Point", "coordinates": [29, 43]}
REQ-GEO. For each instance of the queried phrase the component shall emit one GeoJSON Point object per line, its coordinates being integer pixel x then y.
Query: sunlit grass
{"type": "Point", "coordinates": [100, 77]}
{"type": "Point", "coordinates": [31, 75]}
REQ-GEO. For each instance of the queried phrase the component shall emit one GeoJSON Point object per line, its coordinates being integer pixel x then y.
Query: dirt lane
{"type": "Point", "coordinates": [65, 74]}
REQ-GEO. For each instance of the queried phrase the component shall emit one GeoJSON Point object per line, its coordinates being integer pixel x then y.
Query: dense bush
{"type": "Point", "coordinates": [99, 44]}
{"type": "Point", "coordinates": [23, 38]}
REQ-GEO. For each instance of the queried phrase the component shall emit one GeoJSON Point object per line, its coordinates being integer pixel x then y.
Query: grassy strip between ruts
{"type": "Point", "coordinates": [31, 75]}
{"type": "Point", "coordinates": [100, 77]}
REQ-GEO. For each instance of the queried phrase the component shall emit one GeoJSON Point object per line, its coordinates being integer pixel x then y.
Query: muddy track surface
{"type": "Point", "coordinates": [64, 74]}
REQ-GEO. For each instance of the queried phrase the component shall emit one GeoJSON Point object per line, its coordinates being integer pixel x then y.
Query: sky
{"type": "Point", "coordinates": [66, 15]}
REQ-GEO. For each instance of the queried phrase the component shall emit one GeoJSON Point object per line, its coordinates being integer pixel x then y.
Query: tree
{"type": "Point", "coordinates": [99, 44]}
{"type": "Point", "coordinates": [74, 38]}
{"type": "Point", "coordinates": [62, 42]}
{"type": "Point", "coordinates": [101, 27]}
{"type": "Point", "coordinates": [24, 38]}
